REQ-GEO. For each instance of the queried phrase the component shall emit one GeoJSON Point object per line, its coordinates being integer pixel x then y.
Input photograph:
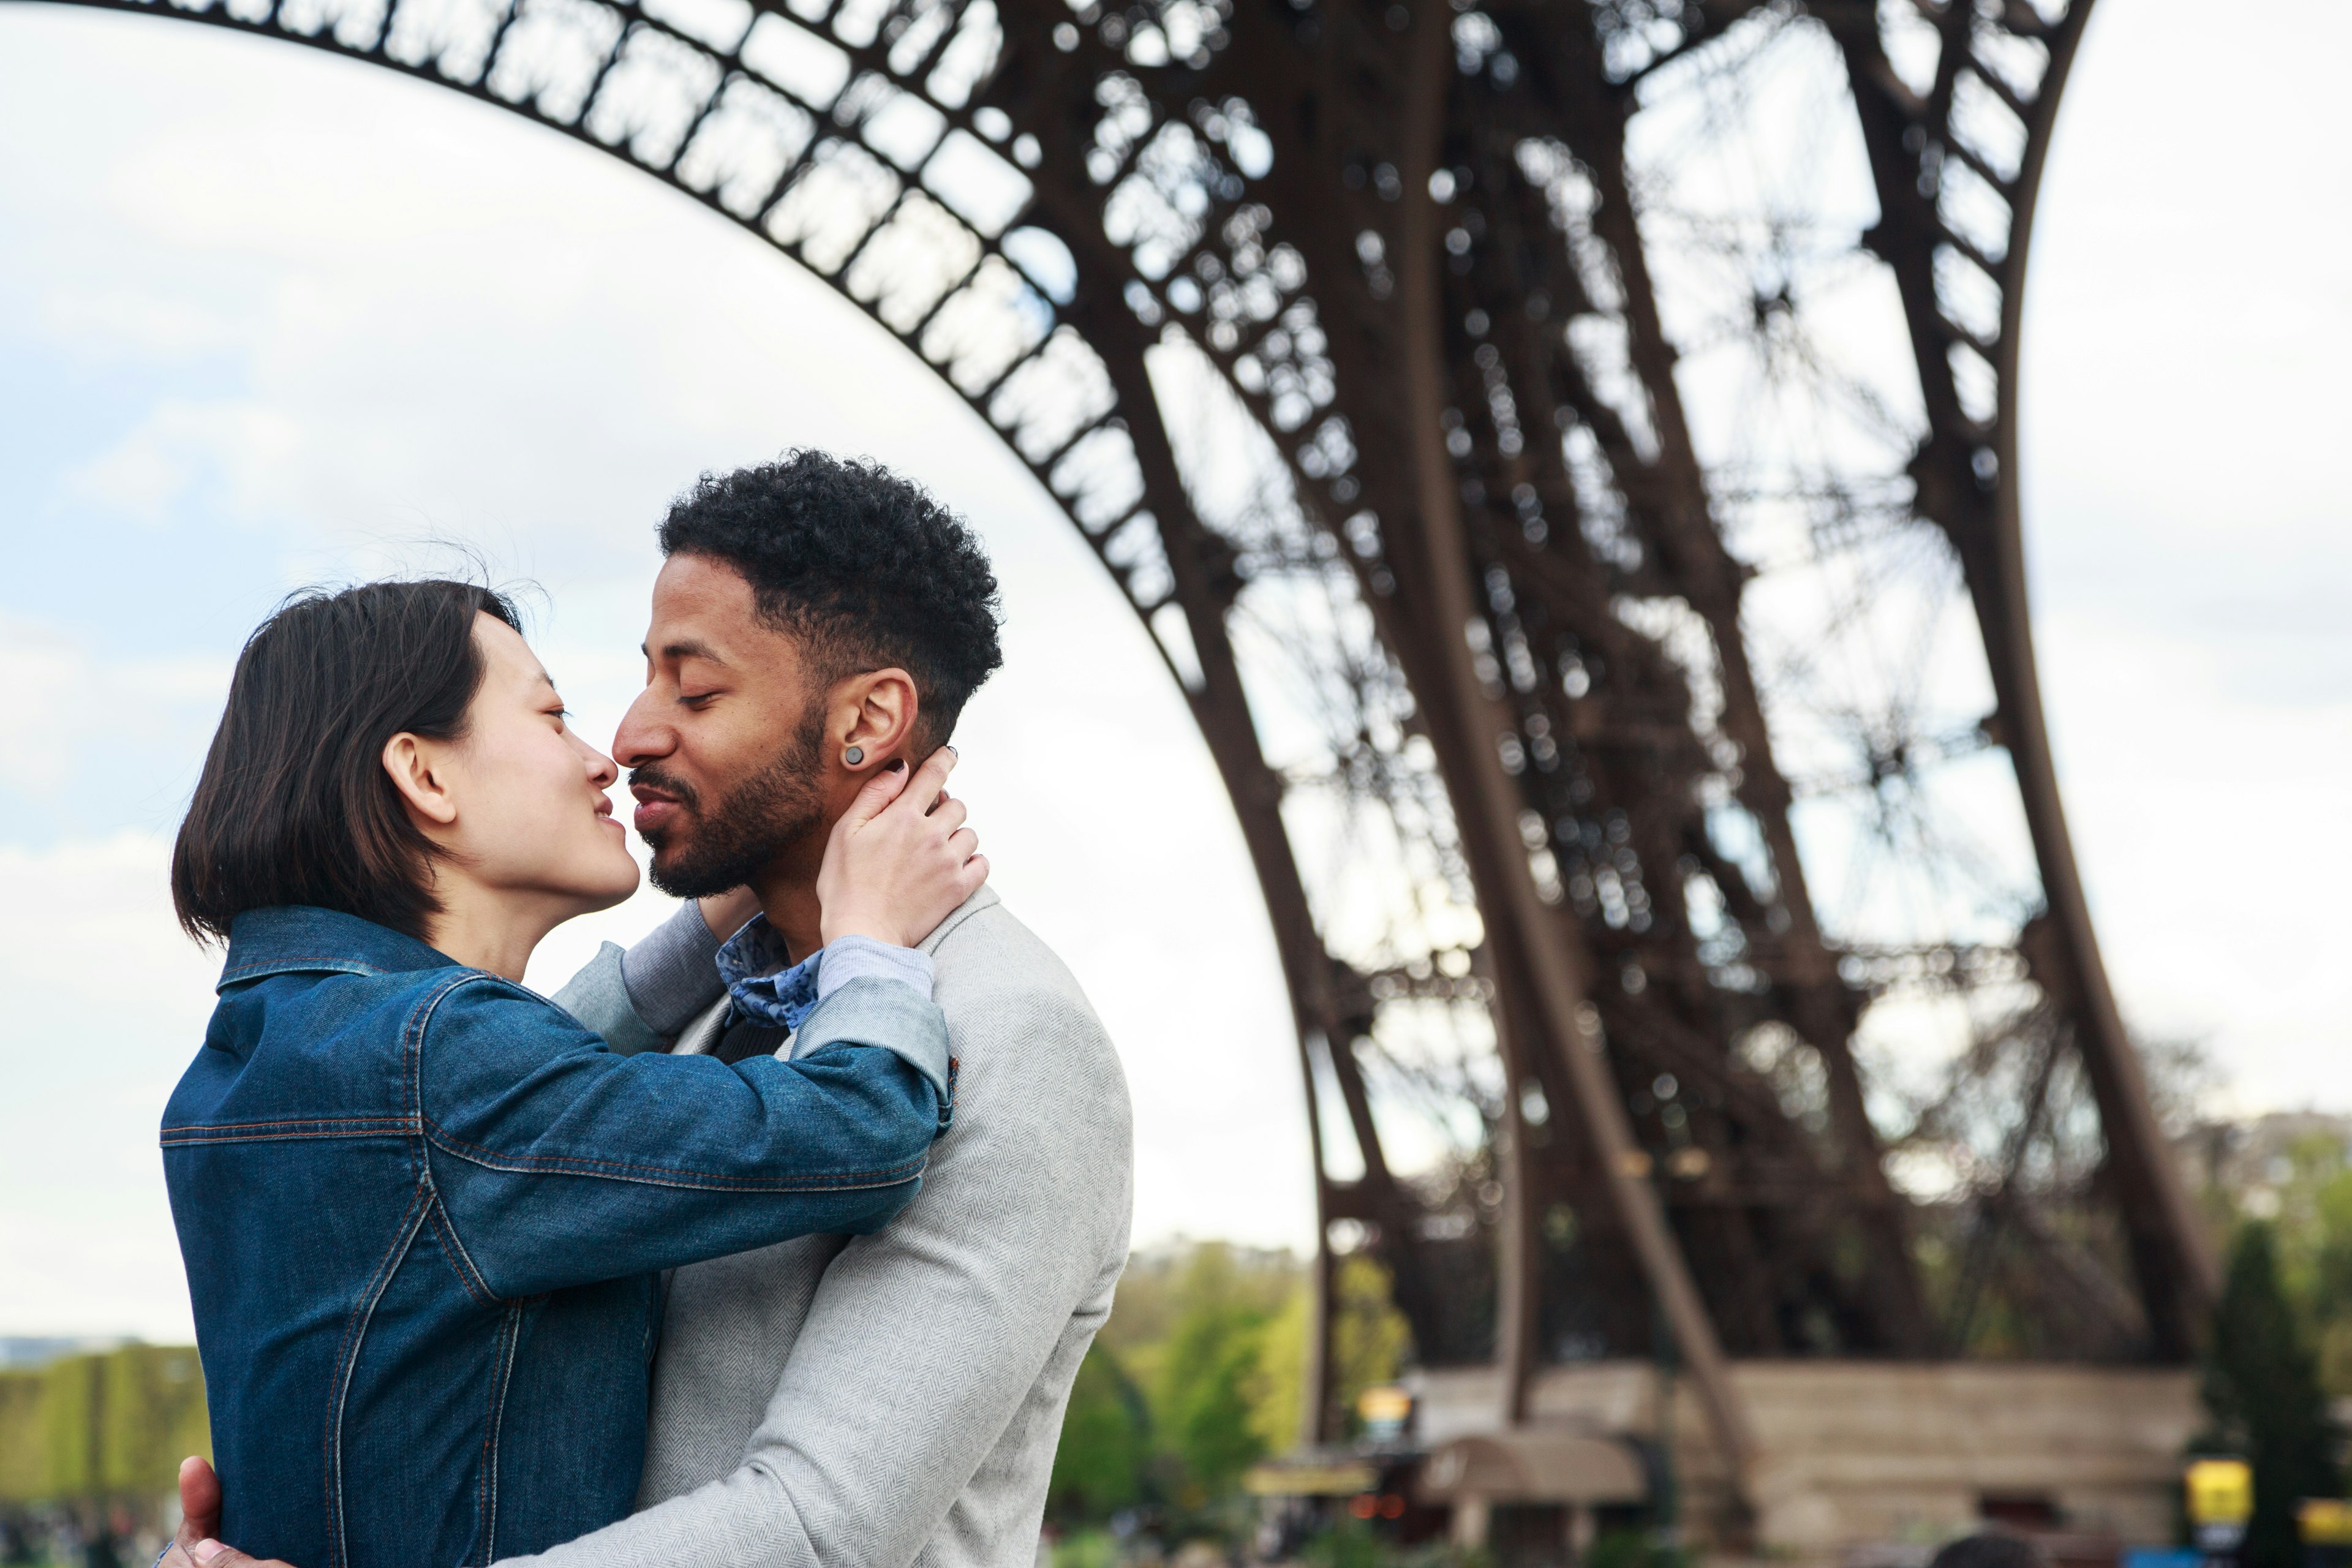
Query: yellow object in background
{"type": "Point", "coordinates": [1385, 1409]}
{"type": "Point", "coordinates": [2324, 1521]}
{"type": "Point", "coordinates": [2221, 1491]}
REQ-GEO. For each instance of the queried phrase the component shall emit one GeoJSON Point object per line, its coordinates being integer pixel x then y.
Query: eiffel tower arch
{"type": "Point", "coordinates": [1566, 453]}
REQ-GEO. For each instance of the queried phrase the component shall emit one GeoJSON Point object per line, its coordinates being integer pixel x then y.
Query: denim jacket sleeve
{"type": "Point", "coordinates": [558, 1161]}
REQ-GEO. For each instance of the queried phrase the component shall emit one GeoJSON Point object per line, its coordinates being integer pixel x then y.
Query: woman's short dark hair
{"type": "Point", "coordinates": [295, 807]}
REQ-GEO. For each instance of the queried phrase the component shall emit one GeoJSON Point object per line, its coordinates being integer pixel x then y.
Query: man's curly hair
{"type": "Point", "coordinates": [866, 569]}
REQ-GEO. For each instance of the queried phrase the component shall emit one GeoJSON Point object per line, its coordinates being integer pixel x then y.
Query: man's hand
{"type": "Point", "coordinates": [200, 1504]}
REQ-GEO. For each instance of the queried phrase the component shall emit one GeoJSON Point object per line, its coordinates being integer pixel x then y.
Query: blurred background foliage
{"type": "Point", "coordinates": [2295, 1180]}
{"type": "Point", "coordinates": [111, 1425]}
{"type": "Point", "coordinates": [90, 1445]}
{"type": "Point", "coordinates": [2264, 1400]}
{"type": "Point", "coordinates": [1200, 1373]}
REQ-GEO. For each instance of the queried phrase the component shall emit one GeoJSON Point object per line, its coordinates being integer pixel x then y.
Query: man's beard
{"type": "Point", "coordinates": [750, 826]}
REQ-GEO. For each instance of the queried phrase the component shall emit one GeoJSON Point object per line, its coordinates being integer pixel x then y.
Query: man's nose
{"type": "Point", "coordinates": [640, 740]}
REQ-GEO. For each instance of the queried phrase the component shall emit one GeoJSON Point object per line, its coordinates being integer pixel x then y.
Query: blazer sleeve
{"type": "Point", "coordinates": [639, 999]}
{"type": "Point", "coordinates": [558, 1161]}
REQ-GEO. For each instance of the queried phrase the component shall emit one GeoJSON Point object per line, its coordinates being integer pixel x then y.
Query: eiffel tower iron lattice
{"type": "Point", "coordinates": [1566, 450]}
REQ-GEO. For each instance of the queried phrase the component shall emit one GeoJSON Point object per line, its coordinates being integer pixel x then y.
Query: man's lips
{"type": "Point", "coordinates": [654, 809]}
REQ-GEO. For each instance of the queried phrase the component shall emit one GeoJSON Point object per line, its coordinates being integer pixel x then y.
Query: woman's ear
{"type": "Point", "coordinates": [412, 763]}
{"type": "Point", "coordinates": [881, 707]}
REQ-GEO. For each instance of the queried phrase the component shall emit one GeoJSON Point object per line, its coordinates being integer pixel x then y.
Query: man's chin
{"type": "Point", "coordinates": [677, 875]}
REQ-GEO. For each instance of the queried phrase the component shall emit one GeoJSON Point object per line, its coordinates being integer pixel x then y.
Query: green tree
{"type": "Point", "coordinates": [23, 1436]}
{"type": "Point", "coordinates": [112, 1424]}
{"type": "Point", "coordinates": [1371, 1339]}
{"type": "Point", "coordinates": [2329, 1298]}
{"type": "Point", "coordinates": [1215, 1335]}
{"type": "Point", "coordinates": [1206, 1380]}
{"type": "Point", "coordinates": [1278, 1393]}
{"type": "Point", "coordinates": [1105, 1435]}
{"type": "Point", "coordinates": [2262, 1389]}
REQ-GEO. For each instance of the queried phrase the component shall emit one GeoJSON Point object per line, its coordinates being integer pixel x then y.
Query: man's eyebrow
{"type": "Point", "coordinates": [689, 648]}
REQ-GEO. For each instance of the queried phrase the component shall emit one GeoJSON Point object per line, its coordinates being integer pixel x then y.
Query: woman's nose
{"type": "Point", "coordinates": [602, 772]}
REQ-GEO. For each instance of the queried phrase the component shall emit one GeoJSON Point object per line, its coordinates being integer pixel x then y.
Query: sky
{"type": "Point", "coordinates": [268, 318]}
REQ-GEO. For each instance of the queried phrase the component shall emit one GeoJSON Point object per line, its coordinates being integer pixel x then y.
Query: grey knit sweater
{"type": "Point", "coordinates": [894, 1399]}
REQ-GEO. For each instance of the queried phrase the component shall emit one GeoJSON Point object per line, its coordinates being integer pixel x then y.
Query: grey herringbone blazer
{"type": "Point", "coordinates": [875, 1402]}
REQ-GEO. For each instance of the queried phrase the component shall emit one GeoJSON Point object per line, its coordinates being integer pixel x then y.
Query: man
{"type": "Point", "coordinates": [878, 1401]}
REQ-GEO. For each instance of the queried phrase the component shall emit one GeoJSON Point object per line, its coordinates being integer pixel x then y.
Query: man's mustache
{"type": "Point", "coordinates": [651, 776]}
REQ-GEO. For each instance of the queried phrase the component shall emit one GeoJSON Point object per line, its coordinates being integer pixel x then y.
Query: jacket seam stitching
{"type": "Point", "coordinates": [445, 1225]}
{"type": "Point", "coordinates": [509, 1340]}
{"type": "Point", "coordinates": [470, 1276]}
{"type": "Point", "coordinates": [355, 1329]}
{"type": "Point", "coordinates": [663, 1175]}
{"type": "Point", "coordinates": [291, 1121]}
{"type": "Point", "coordinates": [309, 1127]}
{"type": "Point", "coordinates": [403, 1133]}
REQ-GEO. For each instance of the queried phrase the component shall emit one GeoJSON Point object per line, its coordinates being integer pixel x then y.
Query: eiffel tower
{"type": "Point", "coordinates": [1566, 453]}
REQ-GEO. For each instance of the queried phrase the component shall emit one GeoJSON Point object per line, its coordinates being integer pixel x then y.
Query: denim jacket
{"type": "Point", "coordinates": [423, 1212]}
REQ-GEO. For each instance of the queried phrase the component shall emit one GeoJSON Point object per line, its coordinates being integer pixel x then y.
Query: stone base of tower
{"type": "Point", "coordinates": [1858, 1462]}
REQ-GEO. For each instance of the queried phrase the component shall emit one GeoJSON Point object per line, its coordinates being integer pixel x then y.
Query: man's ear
{"type": "Point", "coordinates": [876, 714]}
{"type": "Point", "coordinates": [413, 764]}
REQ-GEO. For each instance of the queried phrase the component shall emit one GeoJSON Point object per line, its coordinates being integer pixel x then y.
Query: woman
{"type": "Point", "coordinates": [423, 1211]}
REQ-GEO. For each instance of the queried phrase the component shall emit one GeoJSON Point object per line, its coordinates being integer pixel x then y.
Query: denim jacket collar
{"type": "Point", "coordinates": [298, 938]}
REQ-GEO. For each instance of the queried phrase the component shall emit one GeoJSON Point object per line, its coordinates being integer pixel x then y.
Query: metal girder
{"type": "Point", "coordinates": [1967, 479]}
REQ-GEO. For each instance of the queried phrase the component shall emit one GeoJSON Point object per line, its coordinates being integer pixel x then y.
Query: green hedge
{"type": "Point", "coordinates": [113, 1424]}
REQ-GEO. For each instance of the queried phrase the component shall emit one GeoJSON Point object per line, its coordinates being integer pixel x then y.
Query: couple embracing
{"type": "Point", "coordinates": [775, 1239]}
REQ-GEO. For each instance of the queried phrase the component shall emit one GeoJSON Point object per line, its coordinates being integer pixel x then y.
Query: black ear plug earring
{"type": "Point", "coordinates": [853, 755]}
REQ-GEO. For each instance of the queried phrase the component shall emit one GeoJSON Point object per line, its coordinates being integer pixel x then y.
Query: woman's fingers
{"type": "Point", "coordinates": [901, 859]}
{"type": "Point", "coordinates": [931, 779]}
{"type": "Point", "coordinates": [879, 792]}
{"type": "Point", "coordinates": [199, 1500]}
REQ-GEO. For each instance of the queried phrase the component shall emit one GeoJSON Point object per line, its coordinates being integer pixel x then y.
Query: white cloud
{"type": "Point", "coordinates": [239, 444]}
{"type": "Point", "coordinates": [2189, 321]}
{"type": "Point", "coordinates": [2217, 831]}
{"type": "Point", "coordinates": [106, 1000]}
{"type": "Point", "coordinates": [65, 701]}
